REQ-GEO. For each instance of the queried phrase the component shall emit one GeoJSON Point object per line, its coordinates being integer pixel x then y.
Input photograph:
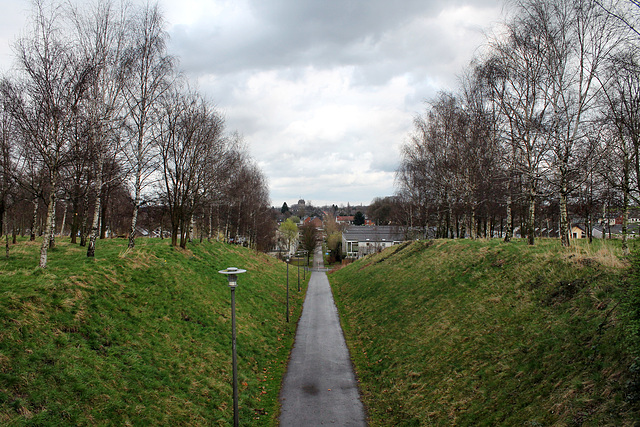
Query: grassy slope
{"type": "Point", "coordinates": [140, 337]}
{"type": "Point", "coordinates": [487, 333]}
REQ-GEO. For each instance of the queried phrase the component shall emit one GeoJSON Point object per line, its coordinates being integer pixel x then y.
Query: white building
{"type": "Point", "coordinates": [361, 240]}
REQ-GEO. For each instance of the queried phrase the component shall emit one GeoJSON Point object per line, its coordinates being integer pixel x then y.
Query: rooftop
{"type": "Point", "coordinates": [379, 233]}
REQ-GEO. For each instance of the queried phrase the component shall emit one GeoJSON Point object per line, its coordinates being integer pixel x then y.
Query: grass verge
{"type": "Point", "coordinates": [140, 337]}
{"type": "Point", "coordinates": [486, 333]}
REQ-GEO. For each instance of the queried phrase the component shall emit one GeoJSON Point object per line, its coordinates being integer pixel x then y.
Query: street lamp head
{"type": "Point", "coordinates": [232, 274]}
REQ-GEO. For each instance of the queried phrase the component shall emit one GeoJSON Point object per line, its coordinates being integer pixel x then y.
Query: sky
{"type": "Point", "coordinates": [324, 92]}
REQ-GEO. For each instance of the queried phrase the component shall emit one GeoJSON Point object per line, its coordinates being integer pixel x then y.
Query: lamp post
{"type": "Point", "coordinates": [304, 270]}
{"type": "Point", "coordinates": [298, 264]}
{"type": "Point", "coordinates": [232, 275]}
{"type": "Point", "coordinates": [288, 259]}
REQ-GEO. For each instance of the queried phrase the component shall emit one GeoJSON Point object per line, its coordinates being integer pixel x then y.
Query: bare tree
{"type": "Point", "coordinates": [626, 12]}
{"type": "Point", "coordinates": [622, 115]}
{"type": "Point", "coordinates": [577, 38]}
{"type": "Point", "coordinates": [7, 174]}
{"type": "Point", "coordinates": [308, 239]}
{"type": "Point", "coordinates": [45, 99]}
{"type": "Point", "coordinates": [426, 175]}
{"type": "Point", "coordinates": [250, 194]}
{"type": "Point", "coordinates": [519, 77]}
{"type": "Point", "coordinates": [6, 166]}
{"type": "Point", "coordinates": [150, 72]}
{"type": "Point", "coordinates": [189, 135]}
{"type": "Point", "coordinates": [102, 32]}
{"type": "Point", "coordinates": [449, 166]}
{"type": "Point", "coordinates": [480, 150]}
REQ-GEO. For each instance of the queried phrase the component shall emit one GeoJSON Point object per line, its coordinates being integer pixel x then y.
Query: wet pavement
{"type": "Point", "coordinates": [320, 387]}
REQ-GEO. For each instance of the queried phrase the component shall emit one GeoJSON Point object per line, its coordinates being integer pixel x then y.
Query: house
{"type": "Point", "coordinates": [358, 241]}
{"type": "Point", "coordinates": [615, 231]}
{"type": "Point", "coordinates": [344, 219]}
{"type": "Point", "coordinates": [315, 221]}
{"type": "Point", "coordinates": [633, 218]}
{"type": "Point", "coordinates": [578, 231]}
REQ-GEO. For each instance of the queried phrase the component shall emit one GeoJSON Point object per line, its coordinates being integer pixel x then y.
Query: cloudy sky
{"type": "Point", "coordinates": [323, 91]}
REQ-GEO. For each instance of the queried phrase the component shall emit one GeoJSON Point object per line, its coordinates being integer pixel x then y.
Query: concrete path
{"type": "Point", "coordinates": [320, 387]}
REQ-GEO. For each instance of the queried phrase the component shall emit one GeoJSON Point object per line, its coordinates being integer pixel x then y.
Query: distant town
{"type": "Point", "coordinates": [351, 232]}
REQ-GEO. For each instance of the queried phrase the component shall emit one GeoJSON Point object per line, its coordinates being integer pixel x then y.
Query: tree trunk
{"type": "Point", "coordinates": [564, 217]}
{"type": "Point", "coordinates": [134, 218]}
{"type": "Point", "coordinates": [185, 232]}
{"type": "Point", "coordinates": [449, 227]}
{"type": "Point", "coordinates": [174, 234]}
{"type": "Point", "coordinates": [474, 224]}
{"type": "Point", "coordinates": [3, 217]}
{"type": "Point", "coordinates": [4, 224]}
{"type": "Point", "coordinates": [52, 230]}
{"type": "Point", "coordinates": [532, 215]}
{"type": "Point", "coordinates": [226, 225]}
{"type": "Point", "coordinates": [51, 206]}
{"type": "Point", "coordinates": [210, 231]}
{"type": "Point", "coordinates": [508, 233]}
{"type": "Point", "coordinates": [74, 221]}
{"type": "Point", "coordinates": [103, 218]}
{"type": "Point", "coordinates": [625, 219]}
{"type": "Point", "coordinates": [34, 221]}
{"type": "Point", "coordinates": [64, 219]}
{"type": "Point", "coordinates": [85, 216]}
{"type": "Point", "coordinates": [91, 248]}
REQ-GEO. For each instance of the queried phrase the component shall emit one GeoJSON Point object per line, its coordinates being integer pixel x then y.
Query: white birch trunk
{"type": "Point", "coordinates": [48, 228]}
{"type": "Point", "coordinates": [95, 224]}
{"type": "Point", "coordinates": [532, 215]}
{"type": "Point", "coordinates": [136, 207]}
{"type": "Point", "coordinates": [64, 219]}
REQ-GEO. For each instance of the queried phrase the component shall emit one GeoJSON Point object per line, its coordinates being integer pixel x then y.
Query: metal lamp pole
{"type": "Point", "coordinates": [288, 259]}
{"type": "Point", "coordinates": [232, 274]}
{"type": "Point", "coordinates": [298, 263]}
{"type": "Point", "coordinates": [304, 270]}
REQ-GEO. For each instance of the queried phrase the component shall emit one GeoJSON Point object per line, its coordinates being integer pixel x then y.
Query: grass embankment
{"type": "Point", "coordinates": [488, 333]}
{"type": "Point", "coordinates": [140, 337]}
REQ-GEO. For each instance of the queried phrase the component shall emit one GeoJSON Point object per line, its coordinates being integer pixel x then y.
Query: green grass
{"type": "Point", "coordinates": [140, 337]}
{"type": "Point", "coordinates": [486, 333]}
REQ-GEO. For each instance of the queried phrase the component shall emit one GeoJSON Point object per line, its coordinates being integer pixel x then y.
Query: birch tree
{"type": "Point", "coordinates": [519, 78]}
{"type": "Point", "coordinates": [622, 115]}
{"type": "Point", "coordinates": [102, 32]}
{"type": "Point", "coordinates": [44, 99]}
{"type": "Point", "coordinates": [7, 181]}
{"type": "Point", "coordinates": [189, 133]}
{"type": "Point", "coordinates": [150, 71]}
{"type": "Point", "coordinates": [577, 37]}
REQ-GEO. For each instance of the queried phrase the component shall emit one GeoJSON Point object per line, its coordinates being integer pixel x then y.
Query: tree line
{"type": "Point", "coordinates": [544, 128]}
{"type": "Point", "coordinates": [97, 123]}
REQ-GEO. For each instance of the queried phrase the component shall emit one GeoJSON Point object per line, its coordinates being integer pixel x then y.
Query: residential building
{"type": "Point", "coordinates": [358, 241]}
{"type": "Point", "coordinates": [344, 219]}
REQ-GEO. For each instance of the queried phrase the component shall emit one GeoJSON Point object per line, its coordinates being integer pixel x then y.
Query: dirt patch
{"type": "Point", "coordinates": [564, 291]}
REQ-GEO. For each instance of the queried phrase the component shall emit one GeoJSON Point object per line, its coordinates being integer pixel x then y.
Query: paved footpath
{"type": "Point", "coordinates": [320, 387]}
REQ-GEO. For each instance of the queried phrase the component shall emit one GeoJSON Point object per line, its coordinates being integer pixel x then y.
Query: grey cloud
{"type": "Point", "coordinates": [375, 41]}
{"type": "Point", "coordinates": [293, 33]}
